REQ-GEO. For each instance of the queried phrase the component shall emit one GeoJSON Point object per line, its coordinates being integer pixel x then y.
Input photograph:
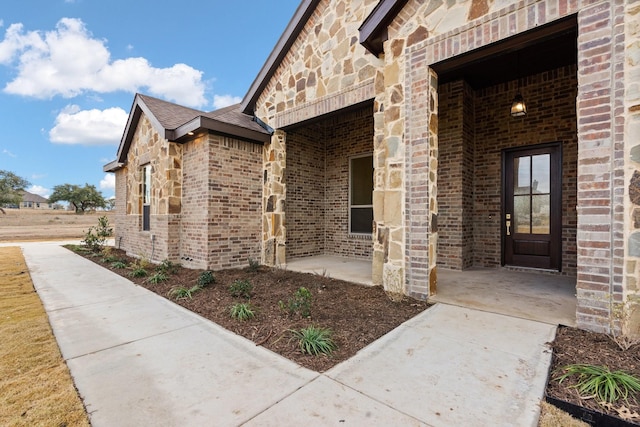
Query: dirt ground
{"type": "Point", "coordinates": [356, 314]}
{"type": "Point", "coordinates": [22, 225]}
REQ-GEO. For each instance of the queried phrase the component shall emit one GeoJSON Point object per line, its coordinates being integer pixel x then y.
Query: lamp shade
{"type": "Point", "coordinates": [518, 107]}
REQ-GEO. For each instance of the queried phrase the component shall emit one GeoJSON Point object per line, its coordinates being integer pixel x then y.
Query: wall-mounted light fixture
{"type": "Point", "coordinates": [518, 107]}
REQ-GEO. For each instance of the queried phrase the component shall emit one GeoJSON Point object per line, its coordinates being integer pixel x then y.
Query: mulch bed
{"type": "Point", "coordinates": [572, 346]}
{"type": "Point", "coordinates": [357, 314]}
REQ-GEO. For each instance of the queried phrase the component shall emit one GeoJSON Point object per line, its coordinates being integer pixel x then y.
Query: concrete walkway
{"type": "Point", "coordinates": [140, 360]}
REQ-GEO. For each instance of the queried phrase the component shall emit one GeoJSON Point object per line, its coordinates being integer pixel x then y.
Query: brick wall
{"type": "Point", "coordinates": [305, 178]}
{"type": "Point", "coordinates": [347, 135]}
{"type": "Point", "coordinates": [317, 180]}
{"type": "Point", "coordinates": [235, 202]}
{"type": "Point", "coordinates": [455, 175]}
{"type": "Point", "coordinates": [193, 223]}
{"type": "Point", "coordinates": [221, 218]}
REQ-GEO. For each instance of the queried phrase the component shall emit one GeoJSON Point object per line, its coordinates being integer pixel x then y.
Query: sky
{"type": "Point", "coordinates": [69, 70]}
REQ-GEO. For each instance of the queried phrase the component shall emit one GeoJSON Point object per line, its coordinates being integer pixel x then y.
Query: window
{"type": "Point", "coordinates": [146, 197]}
{"type": "Point", "coordinates": [361, 195]}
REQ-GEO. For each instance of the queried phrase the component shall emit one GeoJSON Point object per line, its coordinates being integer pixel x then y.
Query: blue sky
{"type": "Point", "coordinates": [69, 70]}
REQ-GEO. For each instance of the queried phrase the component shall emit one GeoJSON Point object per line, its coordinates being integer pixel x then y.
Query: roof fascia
{"type": "Point", "coordinates": [288, 37]}
{"type": "Point", "coordinates": [137, 109]}
{"type": "Point", "coordinates": [216, 126]}
{"type": "Point", "coordinates": [373, 31]}
{"type": "Point", "coordinates": [112, 166]}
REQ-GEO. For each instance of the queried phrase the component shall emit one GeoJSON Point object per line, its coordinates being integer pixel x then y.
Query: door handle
{"type": "Point", "coordinates": [508, 228]}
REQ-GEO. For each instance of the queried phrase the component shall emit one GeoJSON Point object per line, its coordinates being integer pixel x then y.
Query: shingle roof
{"type": "Point", "coordinates": [30, 197]}
{"type": "Point", "coordinates": [169, 115]}
{"type": "Point", "coordinates": [178, 123]}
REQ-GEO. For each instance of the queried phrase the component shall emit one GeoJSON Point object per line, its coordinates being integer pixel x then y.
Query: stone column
{"type": "Point", "coordinates": [273, 201]}
{"type": "Point", "coordinates": [389, 163]}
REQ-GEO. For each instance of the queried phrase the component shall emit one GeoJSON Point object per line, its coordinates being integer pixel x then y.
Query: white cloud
{"type": "Point", "coordinates": [39, 190]}
{"type": "Point", "coordinates": [89, 127]}
{"type": "Point", "coordinates": [38, 175]}
{"type": "Point", "coordinates": [221, 101]}
{"type": "Point", "coordinates": [8, 153]}
{"type": "Point", "coordinates": [108, 182]}
{"type": "Point", "coordinates": [69, 61]}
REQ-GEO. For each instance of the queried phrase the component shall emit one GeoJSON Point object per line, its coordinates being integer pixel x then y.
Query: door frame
{"type": "Point", "coordinates": [556, 200]}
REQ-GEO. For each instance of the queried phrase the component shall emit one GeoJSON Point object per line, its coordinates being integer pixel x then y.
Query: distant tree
{"type": "Point", "coordinates": [11, 187]}
{"type": "Point", "coordinates": [110, 204]}
{"type": "Point", "coordinates": [81, 198]}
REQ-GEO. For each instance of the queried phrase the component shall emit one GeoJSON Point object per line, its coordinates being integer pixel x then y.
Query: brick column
{"type": "Point", "coordinates": [632, 179]}
{"type": "Point", "coordinates": [421, 177]}
{"type": "Point", "coordinates": [273, 201]}
{"type": "Point", "coordinates": [600, 242]}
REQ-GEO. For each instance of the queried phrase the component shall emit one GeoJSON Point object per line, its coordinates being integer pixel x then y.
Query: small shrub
{"type": "Point", "coordinates": [97, 236]}
{"type": "Point", "coordinates": [315, 341]}
{"type": "Point", "coordinates": [300, 303]}
{"type": "Point", "coordinates": [242, 311]}
{"type": "Point", "coordinates": [181, 292]}
{"type": "Point", "coordinates": [241, 288]}
{"type": "Point", "coordinates": [119, 265]}
{"type": "Point", "coordinates": [142, 261]}
{"type": "Point", "coordinates": [167, 267]}
{"type": "Point", "coordinates": [110, 259]}
{"type": "Point", "coordinates": [206, 278]}
{"type": "Point", "coordinates": [254, 265]}
{"type": "Point", "coordinates": [138, 271]}
{"type": "Point", "coordinates": [600, 382]}
{"type": "Point", "coordinates": [79, 249]}
{"type": "Point", "coordinates": [158, 277]}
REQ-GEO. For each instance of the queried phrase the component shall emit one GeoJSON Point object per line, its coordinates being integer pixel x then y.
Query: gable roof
{"type": "Point", "coordinates": [373, 33]}
{"type": "Point", "coordinates": [286, 40]}
{"type": "Point", "coordinates": [30, 197]}
{"type": "Point", "coordinates": [177, 124]}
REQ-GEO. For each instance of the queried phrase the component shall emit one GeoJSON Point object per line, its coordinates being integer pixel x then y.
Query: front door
{"type": "Point", "coordinates": [532, 217]}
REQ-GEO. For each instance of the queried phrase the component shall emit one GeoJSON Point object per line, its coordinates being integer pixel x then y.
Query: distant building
{"type": "Point", "coordinates": [33, 201]}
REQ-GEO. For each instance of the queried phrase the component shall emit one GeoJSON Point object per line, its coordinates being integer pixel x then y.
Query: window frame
{"type": "Point", "coordinates": [350, 203]}
{"type": "Point", "coordinates": [145, 195]}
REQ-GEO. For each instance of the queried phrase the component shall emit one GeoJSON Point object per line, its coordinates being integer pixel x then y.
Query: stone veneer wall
{"type": "Point", "coordinates": [406, 129]}
{"type": "Point", "coordinates": [165, 158]}
{"type": "Point", "coordinates": [325, 70]}
{"type": "Point", "coordinates": [325, 62]}
{"type": "Point", "coordinates": [632, 171]}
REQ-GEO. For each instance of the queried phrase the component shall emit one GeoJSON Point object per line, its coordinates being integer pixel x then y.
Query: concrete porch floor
{"type": "Point", "coordinates": [527, 295]}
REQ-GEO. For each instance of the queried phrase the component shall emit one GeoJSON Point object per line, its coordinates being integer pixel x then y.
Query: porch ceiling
{"type": "Point", "coordinates": [545, 48]}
